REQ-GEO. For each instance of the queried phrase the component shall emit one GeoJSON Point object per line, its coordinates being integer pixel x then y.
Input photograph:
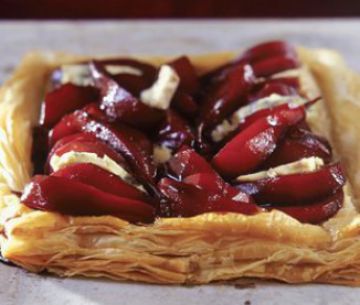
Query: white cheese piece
{"type": "Point", "coordinates": [305, 165]}
{"type": "Point", "coordinates": [161, 154]}
{"type": "Point", "coordinates": [273, 100]}
{"type": "Point", "coordinates": [106, 163]}
{"type": "Point", "coordinates": [76, 74]}
{"type": "Point", "coordinates": [159, 95]}
{"type": "Point", "coordinates": [122, 69]}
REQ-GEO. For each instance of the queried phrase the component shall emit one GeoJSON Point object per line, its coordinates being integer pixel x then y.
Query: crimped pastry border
{"type": "Point", "coordinates": [200, 249]}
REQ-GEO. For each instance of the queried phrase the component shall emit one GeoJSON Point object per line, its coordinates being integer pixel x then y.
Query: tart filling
{"type": "Point", "coordinates": [132, 140]}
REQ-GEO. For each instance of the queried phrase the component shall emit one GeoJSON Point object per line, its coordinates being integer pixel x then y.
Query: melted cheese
{"type": "Point", "coordinates": [239, 116]}
{"type": "Point", "coordinates": [159, 95]}
{"type": "Point", "coordinates": [106, 163]}
{"type": "Point", "coordinates": [305, 165]}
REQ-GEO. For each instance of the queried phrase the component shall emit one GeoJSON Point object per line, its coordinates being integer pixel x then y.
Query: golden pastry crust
{"type": "Point", "coordinates": [200, 249]}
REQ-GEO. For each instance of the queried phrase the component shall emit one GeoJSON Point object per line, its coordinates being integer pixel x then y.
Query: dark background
{"type": "Point", "coordinates": [96, 9]}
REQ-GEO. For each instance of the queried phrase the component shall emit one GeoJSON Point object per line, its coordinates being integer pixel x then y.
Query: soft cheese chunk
{"type": "Point", "coordinates": [159, 95]}
{"type": "Point", "coordinates": [273, 100]}
{"type": "Point", "coordinates": [305, 165]}
{"type": "Point", "coordinates": [76, 74]}
{"type": "Point", "coordinates": [106, 163]}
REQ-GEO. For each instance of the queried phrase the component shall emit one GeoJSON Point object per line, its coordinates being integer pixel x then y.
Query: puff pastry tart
{"type": "Point", "coordinates": [183, 170]}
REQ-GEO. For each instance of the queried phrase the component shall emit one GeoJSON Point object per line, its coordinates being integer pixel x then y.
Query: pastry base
{"type": "Point", "coordinates": [197, 250]}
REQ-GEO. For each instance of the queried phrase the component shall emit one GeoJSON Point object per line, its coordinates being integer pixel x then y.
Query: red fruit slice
{"type": "Point", "coordinates": [226, 94]}
{"type": "Point", "coordinates": [185, 104]}
{"type": "Point", "coordinates": [210, 182]}
{"type": "Point", "coordinates": [148, 71]}
{"type": "Point", "coordinates": [187, 73]}
{"type": "Point", "coordinates": [132, 83]}
{"type": "Point", "coordinates": [297, 188]}
{"type": "Point", "coordinates": [213, 184]}
{"type": "Point", "coordinates": [68, 125]}
{"type": "Point", "coordinates": [316, 212]}
{"type": "Point", "coordinates": [82, 142]}
{"type": "Point", "coordinates": [130, 143]}
{"type": "Point", "coordinates": [187, 200]}
{"type": "Point", "coordinates": [273, 111]}
{"type": "Point", "coordinates": [63, 100]}
{"type": "Point", "coordinates": [299, 143]}
{"type": "Point", "coordinates": [119, 104]}
{"type": "Point", "coordinates": [101, 179]}
{"type": "Point", "coordinates": [187, 162]}
{"type": "Point", "coordinates": [268, 50]}
{"type": "Point", "coordinates": [175, 132]}
{"type": "Point", "coordinates": [247, 150]}
{"type": "Point", "coordinates": [73, 137]}
{"type": "Point", "coordinates": [272, 65]}
{"type": "Point", "coordinates": [93, 109]}
{"type": "Point", "coordinates": [67, 196]}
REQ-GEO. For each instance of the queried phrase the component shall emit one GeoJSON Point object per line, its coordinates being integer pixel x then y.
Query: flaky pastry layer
{"type": "Point", "coordinates": [199, 249]}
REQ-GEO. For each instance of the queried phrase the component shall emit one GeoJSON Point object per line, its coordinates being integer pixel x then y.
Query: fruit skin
{"type": "Point", "coordinates": [188, 200]}
{"type": "Point", "coordinates": [255, 54]}
{"type": "Point", "coordinates": [316, 212]}
{"type": "Point", "coordinates": [121, 105]}
{"type": "Point", "coordinates": [247, 121]}
{"type": "Point", "coordinates": [132, 83]}
{"type": "Point", "coordinates": [273, 65]}
{"type": "Point", "coordinates": [63, 100]}
{"type": "Point", "coordinates": [103, 180]}
{"type": "Point", "coordinates": [188, 77]}
{"type": "Point", "coordinates": [271, 57]}
{"type": "Point", "coordinates": [83, 142]}
{"type": "Point", "coordinates": [297, 189]}
{"type": "Point", "coordinates": [185, 104]}
{"type": "Point", "coordinates": [199, 189]}
{"type": "Point", "coordinates": [51, 193]}
{"type": "Point", "coordinates": [187, 162]}
{"type": "Point", "coordinates": [132, 144]}
{"type": "Point", "coordinates": [251, 146]}
{"type": "Point", "coordinates": [299, 143]}
{"type": "Point", "coordinates": [226, 94]}
{"type": "Point", "coordinates": [175, 132]}
{"type": "Point", "coordinates": [268, 49]}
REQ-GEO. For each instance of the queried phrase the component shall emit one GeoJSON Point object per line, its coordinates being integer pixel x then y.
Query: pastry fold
{"type": "Point", "coordinates": [196, 250]}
